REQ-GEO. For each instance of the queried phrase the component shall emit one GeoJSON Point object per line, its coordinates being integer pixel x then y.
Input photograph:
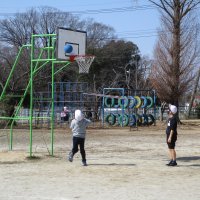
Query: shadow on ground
{"type": "Point", "coordinates": [189, 158]}
{"type": "Point", "coordinates": [111, 164]}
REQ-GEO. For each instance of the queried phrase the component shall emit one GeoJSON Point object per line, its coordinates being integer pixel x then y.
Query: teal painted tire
{"type": "Point", "coordinates": [124, 120]}
{"type": "Point", "coordinates": [109, 104]}
{"type": "Point", "coordinates": [123, 102]}
{"type": "Point", "coordinates": [110, 119]}
{"type": "Point", "coordinates": [149, 102]}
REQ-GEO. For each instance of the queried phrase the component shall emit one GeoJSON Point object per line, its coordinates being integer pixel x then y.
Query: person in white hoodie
{"type": "Point", "coordinates": [78, 126]}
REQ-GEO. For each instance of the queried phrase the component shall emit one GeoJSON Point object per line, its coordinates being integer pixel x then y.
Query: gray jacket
{"type": "Point", "coordinates": [79, 127]}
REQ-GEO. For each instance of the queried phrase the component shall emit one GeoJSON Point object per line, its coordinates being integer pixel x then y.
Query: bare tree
{"type": "Point", "coordinates": [176, 51]}
{"type": "Point", "coordinates": [98, 34]}
{"type": "Point", "coordinates": [16, 31]}
{"type": "Point", "coordinates": [144, 73]}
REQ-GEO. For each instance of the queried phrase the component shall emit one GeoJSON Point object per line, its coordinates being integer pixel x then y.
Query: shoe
{"type": "Point", "coordinates": [70, 158]}
{"type": "Point", "coordinates": [170, 162]}
{"type": "Point", "coordinates": [173, 163]}
{"type": "Point", "coordinates": [84, 163]}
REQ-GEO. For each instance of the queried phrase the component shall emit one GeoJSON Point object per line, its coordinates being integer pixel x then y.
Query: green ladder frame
{"type": "Point", "coordinates": [37, 63]}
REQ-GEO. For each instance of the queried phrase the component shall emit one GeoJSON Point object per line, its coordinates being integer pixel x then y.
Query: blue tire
{"type": "Point", "coordinates": [132, 119]}
{"type": "Point", "coordinates": [144, 101]}
{"type": "Point", "coordinates": [132, 102]}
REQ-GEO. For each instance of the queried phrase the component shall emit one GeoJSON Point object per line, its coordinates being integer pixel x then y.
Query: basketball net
{"type": "Point", "coordinates": [84, 63]}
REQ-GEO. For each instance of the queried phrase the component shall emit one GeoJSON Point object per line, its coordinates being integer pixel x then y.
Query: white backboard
{"type": "Point", "coordinates": [75, 38]}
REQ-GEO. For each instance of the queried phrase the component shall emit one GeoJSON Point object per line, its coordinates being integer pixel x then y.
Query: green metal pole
{"type": "Point", "coordinates": [49, 44]}
{"type": "Point", "coordinates": [52, 98]}
{"type": "Point", "coordinates": [52, 109]}
{"type": "Point", "coordinates": [17, 118]}
{"type": "Point", "coordinates": [12, 70]}
{"type": "Point", "coordinates": [62, 68]}
{"type": "Point", "coordinates": [44, 59]}
{"type": "Point", "coordinates": [31, 98]}
{"type": "Point", "coordinates": [40, 67]}
{"type": "Point", "coordinates": [11, 138]}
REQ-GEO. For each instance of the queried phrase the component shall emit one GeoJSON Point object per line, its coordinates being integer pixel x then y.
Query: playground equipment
{"type": "Point", "coordinates": [66, 94]}
{"type": "Point", "coordinates": [129, 110]}
{"type": "Point", "coordinates": [124, 107]}
{"type": "Point", "coordinates": [40, 58]}
{"type": "Point", "coordinates": [69, 94]}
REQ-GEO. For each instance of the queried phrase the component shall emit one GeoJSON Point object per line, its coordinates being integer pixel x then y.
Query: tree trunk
{"type": "Point", "coordinates": [162, 110]}
{"type": "Point", "coordinates": [193, 94]}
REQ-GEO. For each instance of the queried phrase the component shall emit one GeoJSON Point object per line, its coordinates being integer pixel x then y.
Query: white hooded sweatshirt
{"type": "Point", "coordinates": [79, 124]}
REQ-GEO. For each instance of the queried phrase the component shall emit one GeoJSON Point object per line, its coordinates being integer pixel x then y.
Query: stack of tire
{"type": "Point", "coordinates": [129, 102]}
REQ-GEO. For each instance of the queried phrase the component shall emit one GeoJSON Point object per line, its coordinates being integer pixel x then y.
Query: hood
{"type": "Point", "coordinates": [173, 108]}
{"type": "Point", "coordinates": [78, 115]}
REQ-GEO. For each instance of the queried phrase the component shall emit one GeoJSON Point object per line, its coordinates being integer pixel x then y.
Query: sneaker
{"type": "Point", "coordinates": [170, 162]}
{"type": "Point", "coordinates": [70, 158]}
{"type": "Point", "coordinates": [84, 163]}
{"type": "Point", "coordinates": [173, 163]}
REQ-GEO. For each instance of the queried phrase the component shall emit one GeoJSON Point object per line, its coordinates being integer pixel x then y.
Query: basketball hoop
{"type": "Point", "coordinates": [72, 58]}
{"type": "Point", "coordinates": [84, 63]}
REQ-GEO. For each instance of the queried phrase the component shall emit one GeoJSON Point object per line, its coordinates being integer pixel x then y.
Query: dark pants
{"type": "Point", "coordinates": [172, 144]}
{"type": "Point", "coordinates": [81, 143]}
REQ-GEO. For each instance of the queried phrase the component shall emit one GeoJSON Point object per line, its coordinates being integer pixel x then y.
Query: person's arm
{"type": "Point", "coordinates": [170, 136]}
{"type": "Point", "coordinates": [87, 122]}
{"type": "Point", "coordinates": [72, 124]}
{"type": "Point", "coordinates": [172, 125]}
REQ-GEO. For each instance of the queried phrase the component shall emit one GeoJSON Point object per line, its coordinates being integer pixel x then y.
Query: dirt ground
{"type": "Point", "coordinates": [123, 164]}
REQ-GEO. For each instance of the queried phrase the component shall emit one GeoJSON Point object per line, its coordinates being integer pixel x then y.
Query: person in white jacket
{"type": "Point", "coordinates": [78, 126]}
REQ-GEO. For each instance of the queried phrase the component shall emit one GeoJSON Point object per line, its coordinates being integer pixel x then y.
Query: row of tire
{"type": "Point", "coordinates": [130, 102]}
{"type": "Point", "coordinates": [130, 120]}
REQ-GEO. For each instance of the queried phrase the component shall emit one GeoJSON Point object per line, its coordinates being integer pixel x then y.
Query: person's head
{"type": "Point", "coordinates": [172, 109]}
{"type": "Point", "coordinates": [78, 115]}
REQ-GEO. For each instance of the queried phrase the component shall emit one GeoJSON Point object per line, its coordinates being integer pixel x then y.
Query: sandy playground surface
{"type": "Point", "coordinates": [122, 165]}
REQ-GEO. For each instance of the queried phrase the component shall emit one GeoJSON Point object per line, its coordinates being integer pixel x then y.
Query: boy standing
{"type": "Point", "coordinates": [78, 126]}
{"type": "Point", "coordinates": [171, 133]}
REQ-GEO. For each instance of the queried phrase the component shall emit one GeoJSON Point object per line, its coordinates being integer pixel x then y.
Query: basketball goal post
{"type": "Point", "coordinates": [64, 56]}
